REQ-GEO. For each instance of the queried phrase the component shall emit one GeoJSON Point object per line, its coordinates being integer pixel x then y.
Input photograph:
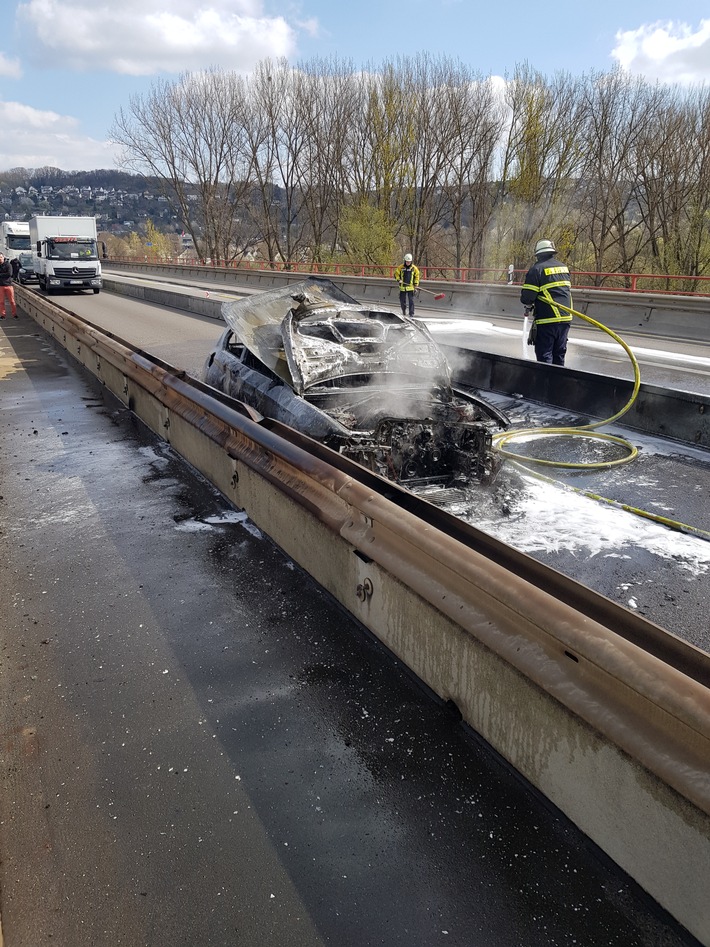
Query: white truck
{"type": "Point", "coordinates": [66, 253]}
{"type": "Point", "coordinates": [14, 238]}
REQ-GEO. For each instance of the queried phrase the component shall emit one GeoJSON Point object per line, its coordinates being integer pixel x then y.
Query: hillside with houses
{"type": "Point", "coordinates": [123, 204]}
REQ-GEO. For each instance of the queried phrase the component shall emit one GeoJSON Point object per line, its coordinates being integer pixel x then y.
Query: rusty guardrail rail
{"type": "Point", "coordinates": [616, 734]}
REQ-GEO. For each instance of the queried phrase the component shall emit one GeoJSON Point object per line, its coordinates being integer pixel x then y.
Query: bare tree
{"type": "Point", "coordinates": [262, 206]}
{"type": "Point", "coordinates": [327, 97]}
{"type": "Point", "coordinates": [468, 138]}
{"type": "Point", "coordinates": [673, 172]}
{"type": "Point", "coordinates": [540, 156]}
{"type": "Point", "coordinates": [612, 122]}
{"type": "Point", "coordinates": [278, 135]}
{"type": "Point", "coordinates": [322, 160]}
{"type": "Point", "coordinates": [421, 205]}
{"type": "Point", "coordinates": [188, 134]}
{"type": "Point", "coordinates": [382, 143]}
{"type": "Point", "coordinates": [422, 126]}
{"type": "Point", "coordinates": [695, 256]}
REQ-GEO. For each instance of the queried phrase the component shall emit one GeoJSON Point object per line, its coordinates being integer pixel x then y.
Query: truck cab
{"type": "Point", "coordinates": [14, 238]}
{"type": "Point", "coordinates": [66, 253]}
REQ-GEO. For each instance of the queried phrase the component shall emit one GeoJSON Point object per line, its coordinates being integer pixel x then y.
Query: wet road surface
{"type": "Point", "coordinates": [200, 747]}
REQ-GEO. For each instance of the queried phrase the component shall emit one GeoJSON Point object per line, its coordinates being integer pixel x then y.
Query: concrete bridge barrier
{"type": "Point", "coordinates": [680, 317]}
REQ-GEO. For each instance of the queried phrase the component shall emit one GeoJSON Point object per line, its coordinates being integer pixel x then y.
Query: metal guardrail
{"type": "Point", "coordinates": [616, 737]}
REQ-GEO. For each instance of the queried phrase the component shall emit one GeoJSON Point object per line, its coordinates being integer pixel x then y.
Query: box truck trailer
{"type": "Point", "coordinates": [66, 253]}
{"type": "Point", "coordinates": [14, 238]}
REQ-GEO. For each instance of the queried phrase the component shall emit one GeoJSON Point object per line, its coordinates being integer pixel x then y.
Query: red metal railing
{"type": "Point", "coordinates": [617, 282]}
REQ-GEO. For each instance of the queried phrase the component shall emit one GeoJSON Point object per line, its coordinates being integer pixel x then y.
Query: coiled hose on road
{"type": "Point", "coordinates": [583, 430]}
{"type": "Point", "coordinates": [590, 431]}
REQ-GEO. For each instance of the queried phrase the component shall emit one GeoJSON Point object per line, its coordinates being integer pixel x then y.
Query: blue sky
{"type": "Point", "coordinates": [67, 66]}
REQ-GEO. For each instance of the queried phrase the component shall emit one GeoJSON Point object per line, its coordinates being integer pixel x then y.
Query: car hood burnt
{"type": "Point", "coordinates": [312, 333]}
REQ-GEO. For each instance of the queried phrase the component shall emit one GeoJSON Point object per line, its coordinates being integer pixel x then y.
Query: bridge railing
{"type": "Point", "coordinates": [581, 279]}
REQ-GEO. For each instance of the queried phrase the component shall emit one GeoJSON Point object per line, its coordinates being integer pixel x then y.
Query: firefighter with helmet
{"type": "Point", "coordinates": [546, 283]}
{"type": "Point", "coordinates": [407, 275]}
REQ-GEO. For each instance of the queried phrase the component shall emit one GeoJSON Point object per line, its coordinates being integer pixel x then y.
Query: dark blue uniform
{"type": "Point", "coordinates": [547, 282]}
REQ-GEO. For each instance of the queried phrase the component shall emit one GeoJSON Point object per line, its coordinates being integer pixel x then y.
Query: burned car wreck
{"type": "Point", "coordinates": [369, 383]}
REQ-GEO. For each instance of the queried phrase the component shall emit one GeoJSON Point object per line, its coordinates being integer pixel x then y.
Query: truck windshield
{"type": "Point", "coordinates": [17, 241]}
{"type": "Point", "coordinates": [72, 248]}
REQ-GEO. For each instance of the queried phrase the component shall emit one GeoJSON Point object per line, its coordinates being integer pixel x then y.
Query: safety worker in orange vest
{"type": "Point", "coordinates": [546, 283]}
{"type": "Point", "coordinates": [407, 275]}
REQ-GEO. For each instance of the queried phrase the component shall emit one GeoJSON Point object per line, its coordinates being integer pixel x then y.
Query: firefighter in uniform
{"type": "Point", "coordinates": [407, 275]}
{"type": "Point", "coordinates": [548, 282]}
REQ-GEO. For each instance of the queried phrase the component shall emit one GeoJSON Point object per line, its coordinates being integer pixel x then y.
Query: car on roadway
{"type": "Point", "coordinates": [368, 382]}
{"type": "Point", "coordinates": [26, 273]}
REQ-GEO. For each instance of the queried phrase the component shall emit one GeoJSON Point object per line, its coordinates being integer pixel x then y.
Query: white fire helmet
{"type": "Point", "coordinates": [544, 246]}
{"type": "Point", "coordinates": [407, 257]}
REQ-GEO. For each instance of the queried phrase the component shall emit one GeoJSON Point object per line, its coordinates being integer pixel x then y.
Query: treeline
{"type": "Point", "coordinates": [326, 162]}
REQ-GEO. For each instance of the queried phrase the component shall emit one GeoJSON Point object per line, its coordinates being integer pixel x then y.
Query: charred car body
{"type": "Point", "coordinates": [369, 383]}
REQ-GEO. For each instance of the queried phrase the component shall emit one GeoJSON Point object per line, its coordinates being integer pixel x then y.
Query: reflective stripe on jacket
{"type": "Point", "coordinates": [407, 277]}
{"type": "Point", "coordinates": [547, 282]}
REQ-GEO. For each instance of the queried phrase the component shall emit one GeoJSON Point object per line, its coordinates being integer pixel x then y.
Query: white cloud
{"type": "Point", "coordinates": [43, 138]}
{"type": "Point", "coordinates": [10, 67]}
{"type": "Point", "coordinates": [310, 26]}
{"type": "Point", "coordinates": [669, 51]}
{"type": "Point", "coordinates": [144, 37]}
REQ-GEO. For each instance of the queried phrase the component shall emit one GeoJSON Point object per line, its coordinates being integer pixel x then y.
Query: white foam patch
{"type": "Point", "coordinates": [236, 516]}
{"type": "Point", "coordinates": [153, 457]}
{"type": "Point", "coordinates": [474, 326]}
{"type": "Point", "coordinates": [657, 354]}
{"type": "Point", "coordinates": [481, 327]}
{"type": "Point", "coordinates": [251, 528]}
{"type": "Point", "coordinates": [221, 519]}
{"type": "Point", "coordinates": [228, 516]}
{"type": "Point", "coordinates": [590, 529]}
{"type": "Point", "coordinates": [192, 526]}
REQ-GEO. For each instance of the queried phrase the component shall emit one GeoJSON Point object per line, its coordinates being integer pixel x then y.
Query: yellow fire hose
{"type": "Point", "coordinates": [590, 431]}
{"type": "Point", "coordinates": [584, 430]}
